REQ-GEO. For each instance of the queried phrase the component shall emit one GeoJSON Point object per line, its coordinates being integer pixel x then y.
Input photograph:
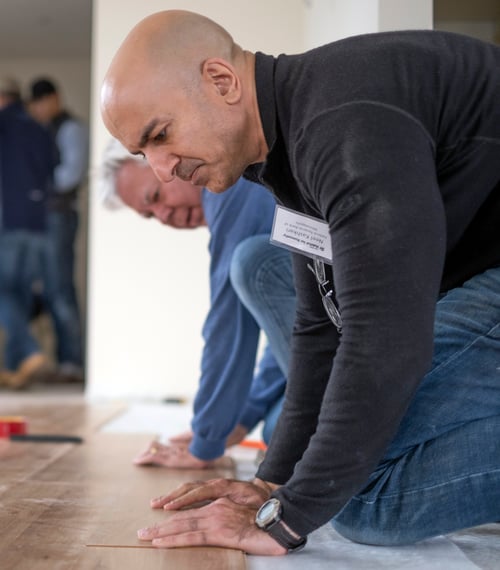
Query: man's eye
{"type": "Point", "coordinates": [161, 136]}
{"type": "Point", "coordinates": [155, 197]}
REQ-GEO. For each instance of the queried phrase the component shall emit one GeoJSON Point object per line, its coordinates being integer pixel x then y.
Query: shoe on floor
{"type": "Point", "coordinates": [68, 372]}
{"type": "Point", "coordinates": [5, 377]}
{"type": "Point", "coordinates": [32, 365]}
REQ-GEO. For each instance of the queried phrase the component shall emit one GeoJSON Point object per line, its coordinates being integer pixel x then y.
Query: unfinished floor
{"type": "Point", "coordinates": [67, 506]}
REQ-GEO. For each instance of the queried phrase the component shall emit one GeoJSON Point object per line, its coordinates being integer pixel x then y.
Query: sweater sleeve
{"type": "Point", "coordinates": [230, 332]}
{"type": "Point", "coordinates": [375, 184]}
{"type": "Point", "coordinates": [267, 387]}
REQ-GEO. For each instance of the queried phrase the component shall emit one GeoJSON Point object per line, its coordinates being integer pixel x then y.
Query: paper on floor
{"type": "Point", "coordinates": [326, 549]}
{"type": "Point", "coordinates": [161, 420]}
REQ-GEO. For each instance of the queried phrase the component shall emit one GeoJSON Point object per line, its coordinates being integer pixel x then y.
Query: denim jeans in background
{"type": "Point", "coordinates": [22, 259]}
{"type": "Point", "coordinates": [442, 471]}
{"type": "Point", "coordinates": [261, 275]}
{"type": "Point", "coordinates": [60, 293]}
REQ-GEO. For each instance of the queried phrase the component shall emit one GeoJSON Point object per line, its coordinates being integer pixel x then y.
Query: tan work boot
{"type": "Point", "coordinates": [5, 377]}
{"type": "Point", "coordinates": [31, 366]}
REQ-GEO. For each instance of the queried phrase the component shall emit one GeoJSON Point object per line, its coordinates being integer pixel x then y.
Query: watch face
{"type": "Point", "coordinates": [268, 513]}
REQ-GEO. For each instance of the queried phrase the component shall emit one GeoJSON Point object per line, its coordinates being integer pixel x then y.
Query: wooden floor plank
{"type": "Point", "coordinates": [63, 415]}
{"type": "Point", "coordinates": [22, 461]}
{"type": "Point", "coordinates": [91, 494]}
{"type": "Point", "coordinates": [192, 559]}
{"type": "Point", "coordinates": [68, 416]}
{"type": "Point", "coordinates": [46, 526]}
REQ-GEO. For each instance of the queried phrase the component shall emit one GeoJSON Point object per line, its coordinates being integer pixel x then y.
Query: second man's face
{"type": "Point", "coordinates": [176, 203]}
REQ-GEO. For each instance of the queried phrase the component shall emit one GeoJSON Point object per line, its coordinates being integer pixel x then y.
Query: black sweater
{"type": "Point", "coordinates": [394, 140]}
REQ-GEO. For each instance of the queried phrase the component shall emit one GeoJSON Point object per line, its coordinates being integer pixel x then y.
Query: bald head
{"type": "Point", "coordinates": [189, 37]}
{"type": "Point", "coordinates": [168, 47]}
{"type": "Point", "coordinates": [181, 92]}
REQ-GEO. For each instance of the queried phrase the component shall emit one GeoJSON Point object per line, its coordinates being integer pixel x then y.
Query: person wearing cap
{"type": "Point", "coordinates": [71, 138]}
{"type": "Point", "coordinates": [233, 396]}
{"type": "Point", "coordinates": [27, 159]}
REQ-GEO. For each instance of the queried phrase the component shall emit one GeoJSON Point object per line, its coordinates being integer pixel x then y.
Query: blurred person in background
{"type": "Point", "coordinates": [27, 161]}
{"type": "Point", "coordinates": [71, 138]}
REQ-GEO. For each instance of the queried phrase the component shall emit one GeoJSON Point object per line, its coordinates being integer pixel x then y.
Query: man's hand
{"type": "Point", "coordinates": [236, 436]}
{"type": "Point", "coordinates": [176, 456]}
{"type": "Point", "coordinates": [239, 492]}
{"type": "Point", "coordinates": [221, 523]}
{"type": "Point", "coordinates": [183, 438]}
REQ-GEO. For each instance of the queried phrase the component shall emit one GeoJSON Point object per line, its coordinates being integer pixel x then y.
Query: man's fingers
{"type": "Point", "coordinates": [159, 502]}
{"type": "Point", "coordinates": [195, 492]}
{"type": "Point", "coordinates": [184, 437]}
{"type": "Point", "coordinates": [144, 458]}
{"type": "Point", "coordinates": [180, 523]}
{"type": "Point", "coordinates": [147, 456]}
{"type": "Point", "coordinates": [198, 494]}
{"type": "Point", "coordinates": [176, 456]}
{"type": "Point", "coordinates": [243, 493]}
{"type": "Point", "coordinates": [221, 523]}
{"type": "Point", "coordinates": [199, 538]}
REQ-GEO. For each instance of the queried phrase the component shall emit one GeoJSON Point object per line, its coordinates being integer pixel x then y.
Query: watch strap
{"type": "Point", "coordinates": [283, 536]}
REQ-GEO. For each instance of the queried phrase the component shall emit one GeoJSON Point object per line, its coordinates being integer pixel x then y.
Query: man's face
{"type": "Point", "coordinates": [176, 203]}
{"type": "Point", "coordinates": [45, 109]}
{"type": "Point", "coordinates": [189, 135]}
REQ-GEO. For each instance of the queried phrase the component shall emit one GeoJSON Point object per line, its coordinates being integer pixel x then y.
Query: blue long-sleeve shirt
{"type": "Point", "coordinates": [229, 393]}
{"type": "Point", "coordinates": [72, 142]}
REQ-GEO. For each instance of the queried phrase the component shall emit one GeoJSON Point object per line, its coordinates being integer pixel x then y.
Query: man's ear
{"type": "Point", "coordinates": [222, 75]}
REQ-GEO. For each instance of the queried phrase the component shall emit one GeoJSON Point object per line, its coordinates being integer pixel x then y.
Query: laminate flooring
{"type": "Point", "coordinates": [78, 506]}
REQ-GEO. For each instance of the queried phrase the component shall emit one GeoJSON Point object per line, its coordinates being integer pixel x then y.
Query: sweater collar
{"type": "Point", "coordinates": [264, 81]}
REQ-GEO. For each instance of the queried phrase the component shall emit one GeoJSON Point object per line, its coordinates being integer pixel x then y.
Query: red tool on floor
{"type": "Point", "coordinates": [13, 425]}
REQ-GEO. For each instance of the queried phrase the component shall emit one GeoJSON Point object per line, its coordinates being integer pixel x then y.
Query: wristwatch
{"type": "Point", "coordinates": [268, 519]}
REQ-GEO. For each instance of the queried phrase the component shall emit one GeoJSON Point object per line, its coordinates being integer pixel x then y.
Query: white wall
{"type": "Point", "coordinates": [329, 20]}
{"type": "Point", "coordinates": [147, 285]}
{"type": "Point", "coordinates": [405, 15]}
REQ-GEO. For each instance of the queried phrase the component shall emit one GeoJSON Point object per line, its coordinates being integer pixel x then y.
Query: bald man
{"type": "Point", "coordinates": [384, 150]}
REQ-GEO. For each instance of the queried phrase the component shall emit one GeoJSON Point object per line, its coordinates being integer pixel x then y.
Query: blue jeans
{"type": "Point", "coordinates": [441, 472]}
{"type": "Point", "coordinates": [22, 256]}
{"type": "Point", "coordinates": [60, 297]}
{"type": "Point", "coordinates": [261, 275]}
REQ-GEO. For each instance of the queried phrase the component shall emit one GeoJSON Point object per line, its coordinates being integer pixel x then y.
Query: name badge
{"type": "Point", "coordinates": [301, 233]}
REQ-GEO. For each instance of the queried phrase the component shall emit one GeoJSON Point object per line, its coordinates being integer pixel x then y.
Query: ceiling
{"type": "Point", "coordinates": [45, 28]}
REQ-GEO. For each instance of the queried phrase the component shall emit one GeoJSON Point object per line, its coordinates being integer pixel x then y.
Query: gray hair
{"type": "Point", "coordinates": [114, 157]}
{"type": "Point", "coordinates": [9, 87]}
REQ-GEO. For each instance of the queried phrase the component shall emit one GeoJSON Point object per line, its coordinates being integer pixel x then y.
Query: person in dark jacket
{"type": "Point", "coordinates": [384, 151]}
{"type": "Point", "coordinates": [26, 167]}
{"type": "Point", "coordinates": [71, 138]}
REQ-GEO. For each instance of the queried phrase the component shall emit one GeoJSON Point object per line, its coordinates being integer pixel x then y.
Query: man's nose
{"type": "Point", "coordinates": [163, 164]}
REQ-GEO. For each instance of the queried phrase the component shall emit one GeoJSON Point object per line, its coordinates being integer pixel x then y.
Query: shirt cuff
{"type": "Point", "coordinates": [207, 449]}
{"type": "Point", "coordinates": [250, 417]}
